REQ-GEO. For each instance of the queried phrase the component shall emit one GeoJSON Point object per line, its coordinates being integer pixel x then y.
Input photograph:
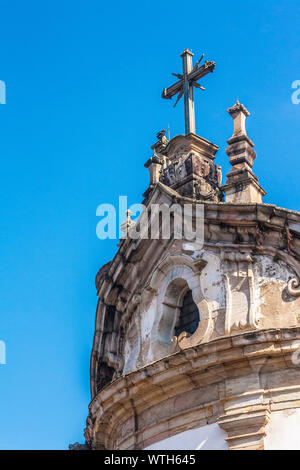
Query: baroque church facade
{"type": "Point", "coordinates": [196, 342]}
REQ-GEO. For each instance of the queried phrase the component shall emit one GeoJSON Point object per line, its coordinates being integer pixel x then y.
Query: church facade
{"type": "Point", "coordinates": [197, 332]}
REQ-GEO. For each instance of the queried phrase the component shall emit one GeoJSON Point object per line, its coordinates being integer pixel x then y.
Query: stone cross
{"type": "Point", "coordinates": [185, 86]}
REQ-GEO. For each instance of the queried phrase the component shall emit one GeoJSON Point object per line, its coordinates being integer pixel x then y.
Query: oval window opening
{"type": "Point", "coordinates": [189, 315]}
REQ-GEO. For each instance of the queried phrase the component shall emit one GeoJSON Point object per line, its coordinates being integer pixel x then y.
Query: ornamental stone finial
{"type": "Point", "coordinates": [238, 112]}
{"type": "Point", "coordinates": [240, 149]}
{"type": "Point", "coordinates": [127, 224]}
{"type": "Point", "coordinates": [241, 184]}
{"type": "Point", "coordinates": [159, 158]}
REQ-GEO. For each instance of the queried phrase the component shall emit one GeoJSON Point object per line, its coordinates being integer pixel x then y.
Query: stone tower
{"type": "Point", "coordinates": [197, 341]}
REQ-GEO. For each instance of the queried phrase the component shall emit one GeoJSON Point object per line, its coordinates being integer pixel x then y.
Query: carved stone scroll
{"type": "Point", "coordinates": [239, 285]}
{"type": "Point", "coordinates": [293, 287]}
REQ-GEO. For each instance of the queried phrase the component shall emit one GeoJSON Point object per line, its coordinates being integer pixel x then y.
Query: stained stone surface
{"type": "Point", "coordinates": [237, 366]}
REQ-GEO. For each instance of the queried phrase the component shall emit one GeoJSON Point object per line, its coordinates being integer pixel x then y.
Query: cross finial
{"type": "Point", "coordinates": [187, 51]}
{"type": "Point", "coordinates": [185, 86]}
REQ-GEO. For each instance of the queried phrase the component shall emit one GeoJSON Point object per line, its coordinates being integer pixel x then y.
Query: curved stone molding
{"type": "Point", "coordinates": [159, 273]}
{"type": "Point", "coordinates": [246, 431]}
{"type": "Point", "coordinates": [293, 287]}
{"type": "Point", "coordinates": [171, 278]}
{"type": "Point", "coordinates": [185, 340]}
{"type": "Point", "coordinates": [200, 386]}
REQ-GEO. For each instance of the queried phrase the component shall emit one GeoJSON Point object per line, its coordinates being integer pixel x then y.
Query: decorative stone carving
{"type": "Point", "coordinates": [241, 184]}
{"type": "Point", "coordinates": [199, 386]}
{"type": "Point", "coordinates": [160, 146]}
{"type": "Point", "coordinates": [239, 284]}
{"type": "Point", "coordinates": [137, 282]}
{"type": "Point", "coordinates": [172, 277]}
{"type": "Point", "coordinates": [191, 170]}
{"type": "Point", "coordinates": [158, 161]}
{"type": "Point", "coordinates": [102, 273]}
{"type": "Point", "coordinates": [77, 446]}
{"type": "Point", "coordinates": [240, 362]}
{"type": "Point", "coordinates": [127, 224]}
{"type": "Point", "coordinates": [89, 429]}
{"type": "Point", "coordinates": [132, 345]}
{"type": "Point", "coordinates": [238, 112]}
{"type": "Point", "coordinates": [293, 287]}
{"type": "Point", "coordinates": [136, 299]}
{"type": "Point", "coordinates": [219, 175]}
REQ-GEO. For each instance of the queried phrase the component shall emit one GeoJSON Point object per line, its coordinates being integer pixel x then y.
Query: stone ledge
{"type": "Point", "coordinates": [123, 411]}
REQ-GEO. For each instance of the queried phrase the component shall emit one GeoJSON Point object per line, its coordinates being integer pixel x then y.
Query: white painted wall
{"type": "Point", "coordinates": [283, 430]}
{"type": "Point", "coordinates": [209, 437]}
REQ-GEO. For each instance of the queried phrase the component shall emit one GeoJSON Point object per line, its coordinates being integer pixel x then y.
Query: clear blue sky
{"type": "Point", "coordinates": [84, 81]}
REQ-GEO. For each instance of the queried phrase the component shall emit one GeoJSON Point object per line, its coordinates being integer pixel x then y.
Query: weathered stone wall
{"type": "Point", "coordinates": [274, 307]}
{"type": "Point", "coordinates": [237, 382]}
{"type": "Point", "coordinates": [244, 280]}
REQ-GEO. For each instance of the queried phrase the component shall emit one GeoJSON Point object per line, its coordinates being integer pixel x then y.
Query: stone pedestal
{"type": "Point", "coordinates": [154, 165]}
{"type": "Point", "coordinates": [242, 187]}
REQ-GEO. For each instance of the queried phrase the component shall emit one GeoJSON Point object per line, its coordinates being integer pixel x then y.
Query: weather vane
{"type": "Point", "coordinates": [185, 86]}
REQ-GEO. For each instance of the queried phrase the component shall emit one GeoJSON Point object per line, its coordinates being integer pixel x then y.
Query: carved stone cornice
{"type": "Point", "coordinates": [184, 144]}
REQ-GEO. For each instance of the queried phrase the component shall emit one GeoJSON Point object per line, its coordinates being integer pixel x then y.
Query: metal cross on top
{"type": "Point", "coordinates": [185, 86]}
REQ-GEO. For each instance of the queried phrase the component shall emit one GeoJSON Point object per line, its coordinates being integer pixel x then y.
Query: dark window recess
{"type": "Point", "coordinates": [189, 315]}
{"type": "Point", "coordinates": [105, 375]}
{"type": "Point", "coordinates": [105, 372]}
{"type": "Point", "coordinates": [108, 327]}
{"type": "Point", "coordinates": [109, 319]}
